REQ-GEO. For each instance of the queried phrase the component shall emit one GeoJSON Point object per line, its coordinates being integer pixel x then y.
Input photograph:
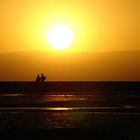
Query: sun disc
{"type": "Point", "coordinates": [60, 37]}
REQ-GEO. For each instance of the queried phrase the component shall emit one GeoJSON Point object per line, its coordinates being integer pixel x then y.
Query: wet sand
{"type": "Point", "coordinates": [104, 114]}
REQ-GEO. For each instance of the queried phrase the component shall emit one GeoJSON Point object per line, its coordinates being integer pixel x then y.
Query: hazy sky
{"type": "Point", "coordinates": [98, 25]}
{"type": "Point", "coordinates": [109, 27]}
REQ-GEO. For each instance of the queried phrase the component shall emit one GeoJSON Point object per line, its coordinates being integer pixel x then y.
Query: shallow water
{"type": "Point", "coordinates": [127, 124]}
{"type": "Point", "coordinates": [96, 114]}
{"type": "Point", "coordinates": [65, 96]}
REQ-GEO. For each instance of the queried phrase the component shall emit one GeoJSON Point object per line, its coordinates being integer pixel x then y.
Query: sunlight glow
{"type": "Point", "coordinates": [60, 37]}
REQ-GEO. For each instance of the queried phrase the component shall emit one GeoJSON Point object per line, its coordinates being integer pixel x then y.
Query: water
{"type": "Point", "coordinates": [109, 112]}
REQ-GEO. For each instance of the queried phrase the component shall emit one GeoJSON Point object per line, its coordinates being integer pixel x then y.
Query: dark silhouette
{"type": "Point", "coordinates": [42, 78]}
{"type": "Point", "coordinates": [38, 78]}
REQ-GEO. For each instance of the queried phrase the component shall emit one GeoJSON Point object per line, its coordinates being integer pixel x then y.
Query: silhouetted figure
{"type": "Point", "coordinates": [65, 94]}
{"type": "Point", "coordinates": [38, 78]}
{"type": "Point", "coordinates": [42, 78]}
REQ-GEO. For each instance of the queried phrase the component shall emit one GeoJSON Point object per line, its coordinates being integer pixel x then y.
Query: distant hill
{"type": "Point", "coordinates": [88, 66]}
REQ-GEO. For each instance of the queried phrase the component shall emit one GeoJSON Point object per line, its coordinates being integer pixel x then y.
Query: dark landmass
{"type": "Point", "coordinates": [77, 87]}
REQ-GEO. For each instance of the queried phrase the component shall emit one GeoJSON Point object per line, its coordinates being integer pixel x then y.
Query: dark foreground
{"type": "Point", "coordinates": [71, 86]}
{"type": "Point", "coordinates": [62, 134]}
{"type": "Point", "coordinates": [98, 111]}
{"type": "Point", "coordinates": [56, 116]}
{"type": "Point", "coordinates": [98, 125]}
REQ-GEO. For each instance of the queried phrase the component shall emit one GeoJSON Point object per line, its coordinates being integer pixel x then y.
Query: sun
{"type": "Point", "coordinates": [60, 37]}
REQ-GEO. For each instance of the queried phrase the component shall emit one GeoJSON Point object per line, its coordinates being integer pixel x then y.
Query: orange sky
{"type": "Point", "coordinates": [106, 44]}
{"type": "Point", "coordinates": [98, 25]}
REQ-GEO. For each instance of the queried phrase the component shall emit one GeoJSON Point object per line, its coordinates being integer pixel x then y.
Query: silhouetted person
{"type": "Point", "coordinates": [38, 78]}
{"type": "Point", "coordinates": [65, 94]}
{"type": "Point", "coordinates": [43, 78]}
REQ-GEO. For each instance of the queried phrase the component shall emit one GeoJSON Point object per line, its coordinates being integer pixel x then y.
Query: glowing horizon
{"type": "Point", "coordinates": [102, 25]}
{"type": "Point", "coordinates": [108, 26]}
